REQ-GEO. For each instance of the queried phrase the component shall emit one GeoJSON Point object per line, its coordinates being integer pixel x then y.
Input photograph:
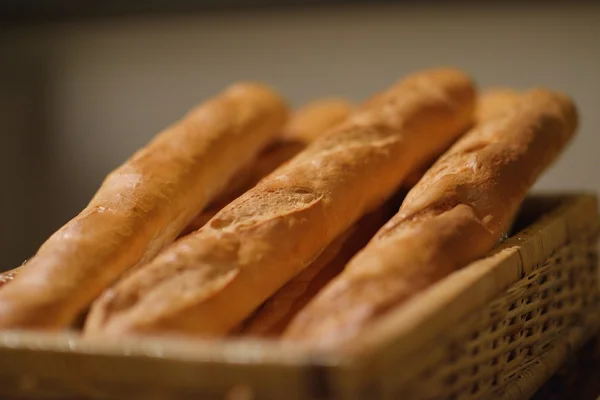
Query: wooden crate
{"type": "Point", "coordinates": [495, 329]}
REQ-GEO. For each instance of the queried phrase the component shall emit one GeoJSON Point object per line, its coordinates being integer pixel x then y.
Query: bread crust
{"type": "Point", "coordinates": [455, 214]}
{"type": "Point", "coordinates": [142, 206]}
{"type": "Point", "coordinates": [495, 101]}
{"type": "Point", "coordinates": [8, 276]}
{"type": "Point", "coordinates": [272, 317]}
{"type": "Point", "coordinates": [209, 281]}
{"type": "Point", "coordinates": [305, 125]}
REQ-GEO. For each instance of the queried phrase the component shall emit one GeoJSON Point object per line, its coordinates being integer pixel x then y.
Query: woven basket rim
{"type": "Point", "coordinates": [406, 329]}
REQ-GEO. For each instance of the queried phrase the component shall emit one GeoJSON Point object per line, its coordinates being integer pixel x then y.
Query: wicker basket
{"type": "Point", "coordinates": [498, 328]}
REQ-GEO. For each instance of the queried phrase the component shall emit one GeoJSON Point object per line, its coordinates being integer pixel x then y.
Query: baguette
{"type": "Point", "coordinates": [303, 128]}
{"type": "Point", "coordinates": [273, 316]}
{"type": "Point", "coordinates": [495, 101]}
{"type": "Point", "coordinates": [455, 214]}
{"type": "Point", "coordinates": [142, 206]}
{"type": "Point", "coordinates": [211, 280]}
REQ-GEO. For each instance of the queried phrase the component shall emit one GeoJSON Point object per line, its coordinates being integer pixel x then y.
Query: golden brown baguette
{"type": "Point", "coordinates": [304, 127]}
{"type": "Point", "coordinates": [142, 206]}
{"type": "Point", "coordinates": [309, 122]}
{"type": "Point", "coordinates": [494, 102]}
{"type": "Point", "coordinates": [455, 214]}
{"type": "Point", "coordinates": [276, 313]}
{"type": "Point", "coordinates": [273, 315]}
{"type": "Point", "coordinates": [209, 281]}
{"type": "Point", "coordinates": [491, 102]}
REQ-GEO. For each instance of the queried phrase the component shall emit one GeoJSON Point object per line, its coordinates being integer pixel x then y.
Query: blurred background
{"type": "Point", "coordinates": [81, 88]}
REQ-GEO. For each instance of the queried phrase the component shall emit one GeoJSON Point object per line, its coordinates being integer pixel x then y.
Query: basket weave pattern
{"type": "Point", "coordinates": [495, 348]}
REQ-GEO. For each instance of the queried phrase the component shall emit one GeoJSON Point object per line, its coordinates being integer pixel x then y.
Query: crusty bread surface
{"type": "Point", "coordinates": [271, 318]}
{"type": "Point", "coordinates": [8, 276]}
{"type": "Point", "coordinates": [208, 282]}
{"type": "Point", "coordinates": [275, 314]}
{"type": "Point", "coordinates": [142, 206]}
{"type": "Point", "coordinates": [305, 125]}
{"type": "Point", "coordinates": [455, 214]}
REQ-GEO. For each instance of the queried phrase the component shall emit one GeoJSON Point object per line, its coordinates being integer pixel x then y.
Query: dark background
{"type": "Point", "coordinates": [36, 11]}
